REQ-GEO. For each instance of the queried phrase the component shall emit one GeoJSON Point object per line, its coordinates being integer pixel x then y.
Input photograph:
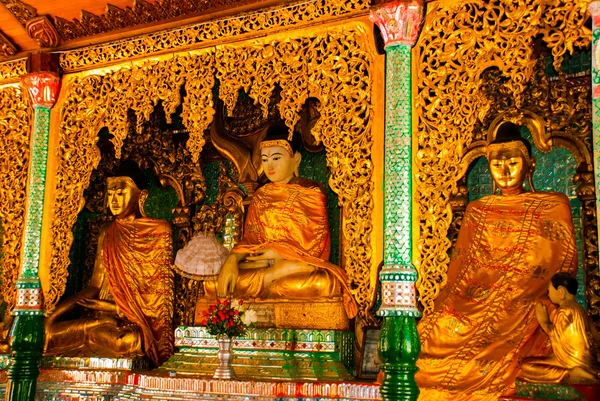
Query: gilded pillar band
{"type": "Point", "coordinates": [399, 346]}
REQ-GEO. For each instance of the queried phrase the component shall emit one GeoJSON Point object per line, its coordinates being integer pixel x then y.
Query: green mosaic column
{"type": "Point", "coordinates": [27, 332]}
{"type": "Point", "coordinates": [594, 9]}
{"type": "Point", "coordinates": [399, 345]}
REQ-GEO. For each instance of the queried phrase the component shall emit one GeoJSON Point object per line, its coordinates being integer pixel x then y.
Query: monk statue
{"type": "Point", "coordinates": [285, 248]}
{"type": "Point", "coordinates": [509, 245]}
{"type": "Point", "coordinates": [128, 303]}
{"type": "Point", "coordinates": [572, 337]}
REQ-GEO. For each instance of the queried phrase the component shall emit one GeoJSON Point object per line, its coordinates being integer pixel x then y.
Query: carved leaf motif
{"type": "Point", "coordinates": [15, 120]}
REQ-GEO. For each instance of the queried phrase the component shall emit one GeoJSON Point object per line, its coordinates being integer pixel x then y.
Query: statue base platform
{"type": "Point", "coordinates": [291, 314]}
{"type": "Point", "coordinates": [267, 354]}
{"type": "Point", "coordinates": [65, 362]}
{"type": "Point", "coordinates": [563, 392]}
{"type": "Point", "coordinates": [78, 385]}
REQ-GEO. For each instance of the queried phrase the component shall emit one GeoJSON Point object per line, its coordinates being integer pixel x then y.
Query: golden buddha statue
{"type": "Point", "coordinates": [571, 335]}
{"type": "Point", "coordinates": [285, 248]}
{"type": "Point", "coordinates": [128, 303]}
{"type": "Point", "coordinates": [509, 245]}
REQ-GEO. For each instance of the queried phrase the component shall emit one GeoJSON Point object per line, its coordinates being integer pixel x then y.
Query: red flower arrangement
{"type": "Point", "coordinates": [225, 318]}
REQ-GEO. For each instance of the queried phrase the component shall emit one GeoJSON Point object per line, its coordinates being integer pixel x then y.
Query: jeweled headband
{"type": "Point", "coordinates": [496, 147]}
{"type": "Point", "coordinates": [278, 142]}
{"type": "Point", "coordinates": [110, 180]}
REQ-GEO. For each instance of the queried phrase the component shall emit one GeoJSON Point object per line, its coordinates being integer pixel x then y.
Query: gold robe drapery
{"type": "Point", "coordinates": [484, 319]}
{"type": "Point", "coordinates": [137, 259]}
{"type": "Point", "coordinates": [292, 220]}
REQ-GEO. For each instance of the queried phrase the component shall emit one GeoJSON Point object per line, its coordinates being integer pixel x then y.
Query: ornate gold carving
{"type": "Point", "coordinates": [41, 29]}
{"type": "Point", "coordinates": [206, 33]}
{"type": "Point", "coordinates": [15, 125]}
{"type": "Point", "coordinates": [587, 194]}
{"type": "Point", "coordinates": [7, 48]}
{"type": "Point", "coordinates": [12, 70]}
{"type": "Point", "coordinates": [564, 27]}
{"type": "Point", "coordinates": [460, 43]}
{"type": "Point", "coordinates": [334, 65]}
{"type": "Point", "coordinates": [21, 11]}
{"type": "Point", "coordinates": [142, 12]}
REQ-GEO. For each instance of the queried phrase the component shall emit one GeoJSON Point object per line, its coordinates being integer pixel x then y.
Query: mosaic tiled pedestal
{"type": "Point", "coordinates": [268, 354]}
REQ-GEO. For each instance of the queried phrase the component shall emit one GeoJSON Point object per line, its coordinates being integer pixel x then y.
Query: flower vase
{"type": "Point", "coordinates": [225, 356]}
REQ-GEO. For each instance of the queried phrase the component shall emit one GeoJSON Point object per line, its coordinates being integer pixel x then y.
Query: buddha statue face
{"type": "Point", "coordinates": [278, 162]}
{"type": "Point", "coordinates": [509, 166]}
{"type": "Point", "coordinates": [122, 196]}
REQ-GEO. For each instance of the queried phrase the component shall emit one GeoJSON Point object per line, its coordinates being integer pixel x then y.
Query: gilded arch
{"type": "Point", "coordinates": [333, 65]}
{"type": "Point", "coordinates": [459, 43]}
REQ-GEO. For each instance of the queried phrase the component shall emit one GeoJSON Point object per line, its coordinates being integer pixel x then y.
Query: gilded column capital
{"type": "Point", "coordinates": [399, 22]}
{"type": "Point", "coordinates": [594, 9]}
{"type": "Point", "coordinates": [43, 88]}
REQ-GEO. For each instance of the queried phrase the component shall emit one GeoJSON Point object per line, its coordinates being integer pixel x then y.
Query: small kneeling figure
{"type": "Point", "coordinates": [571, 336]}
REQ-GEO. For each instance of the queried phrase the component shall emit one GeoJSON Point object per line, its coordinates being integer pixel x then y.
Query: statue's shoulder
{"type": "Point", "coordinates": [550, 196]}
{"type": "Point", "coordinates": [159, 225]}
{"type": "Point", "coordinates": [306, 183]}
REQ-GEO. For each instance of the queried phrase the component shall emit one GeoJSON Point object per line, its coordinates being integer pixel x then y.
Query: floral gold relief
{"type": "Point", "coordinates": [333, 65]}
{"type": "Point", "coordinates": [15, 127]}
{"type": "Point", "coordinates": [461, 44]}
{"type": "Point", "coordinates": [12, 70]}
{"type": "Point", "coordinates": [211, 32]}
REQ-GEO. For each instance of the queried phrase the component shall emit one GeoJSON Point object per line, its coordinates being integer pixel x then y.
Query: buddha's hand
{"type": "Point", "coordinates": [265, 254]}
{"type": "Point", "coordinates": [228, 275]}
{"type": "Point", "coordinates": [98, 304]}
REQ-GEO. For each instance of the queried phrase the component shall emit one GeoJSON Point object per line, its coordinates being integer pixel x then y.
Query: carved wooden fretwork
{"type": "Point", "coordinates": [141, 13]}
{"type": "Point", "coordinates": [7, 48]}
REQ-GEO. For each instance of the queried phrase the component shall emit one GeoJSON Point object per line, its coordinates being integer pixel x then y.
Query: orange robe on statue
{"type": "Point", "coordinates": [137, 259]}
{"type": "Point", "coordinates": [484, 321]}
{"type": "Point", "coordinates": [292, 220]}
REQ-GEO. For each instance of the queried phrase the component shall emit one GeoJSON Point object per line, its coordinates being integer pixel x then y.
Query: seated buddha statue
{"type": "Point", "coordinates": [285, 247]}
{"type": "Point", "coordinates": [127, 306]}
{"type": "Point", "coordinates": [571, 335]}
{"type": "Point", "coordinates": [509, 245]}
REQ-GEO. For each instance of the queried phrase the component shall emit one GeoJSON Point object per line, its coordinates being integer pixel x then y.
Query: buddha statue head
{"type": "Point", "coordinates": [510, 161]}
{"type": "Point", "coordinates": [126, 192]}
{"type": "Point", "coordinates": [279, 156]}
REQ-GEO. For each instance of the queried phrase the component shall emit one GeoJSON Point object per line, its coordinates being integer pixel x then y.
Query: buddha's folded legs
{"type": "Point", "coordinates": [318, 283]}
{"type": "Point", "coordinates": [122, 341]}
{"type": "Point", "coordinates": [543, 370]}
{"type": "Point", "coordinates": [93, 337]}
{"type": "Point", "coordinates": [249, 284]}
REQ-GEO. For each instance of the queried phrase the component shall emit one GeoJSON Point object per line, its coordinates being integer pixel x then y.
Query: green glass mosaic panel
{"type": "Point", "coordinates": [211, 175]}
{"type": "Point", "coordinates": [578, 62]}
{"type": "Point", "coordinates": [35, 198]}
{"type": "Point", "coordinates": [161, 201]}
{"type": "Point", "coordinates": [398, 157]}
{"type": "Point", "coordinates": [314, 167]}
{"type": "Point", "coordinates": [554, 172]}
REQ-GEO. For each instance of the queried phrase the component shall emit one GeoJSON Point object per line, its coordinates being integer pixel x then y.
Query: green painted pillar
{"type": "Point", "coordinates": [27, 332]}
{"type": "Point", "coordinates": [399, 346]}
